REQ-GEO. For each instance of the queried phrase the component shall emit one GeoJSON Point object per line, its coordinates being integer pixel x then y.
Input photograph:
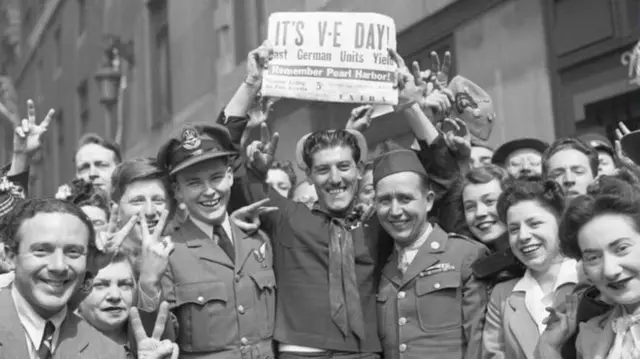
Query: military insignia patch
{"type": "Point", "coordinates": [261, 253]}
{"type": "Point", "coordinates": [190, 140]}
{"type": "Point", "coordinates": [438, 268]}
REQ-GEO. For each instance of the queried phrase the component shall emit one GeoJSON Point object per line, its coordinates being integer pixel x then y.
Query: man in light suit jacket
{"type": "Point", "coordinates": [51, 243]}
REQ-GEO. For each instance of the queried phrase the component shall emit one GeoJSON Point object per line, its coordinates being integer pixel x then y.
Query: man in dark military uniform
{"type": "Point", "coordinates": [430, 305]}
{"type": "Point", "coordinates": [219, 281]}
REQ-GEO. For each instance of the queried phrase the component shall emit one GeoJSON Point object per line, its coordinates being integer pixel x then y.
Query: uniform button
{"type": "Point", "coordinates": [244, 341]}
{"type": "Point", "coordinates": [240, 309]}
{"type": "Point", "coordinates": [200, 299]}
{"type": "Point", "coordinates": [237, 278]}
{"type": "Point", "coordinates": [435, 245]}
{"type": "Point", "coordinates": [436, 286]}
{"type": "Point", "coordinates": [403, 348]}
{"type": "Point", "coordinates": [401, 295]}
{"type": "Point", "coordinates": [402, 321]}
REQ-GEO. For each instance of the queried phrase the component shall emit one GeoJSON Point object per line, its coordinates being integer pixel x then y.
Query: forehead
{"type": "Point", "coordinates": [204, 169]}
{"type": "Point", "coordinates": [477, 151]}
{"type": "Point", "coordinates": [116, 271]}
{"type": "Point", "coordinates": [277, 175]}
{"type": "Point", "coordinates": [568, 157]}
{"type": "Point", "coordinates": [144, 187]}
{"type": "Point", "coordinates": [94, 212]}
{"type": "Point", "coordinates": [332, 155]}
{"type": "Point", "coordinates": [401, 182]}
{"type": "Point", "coordinates": [523, 210]}
{"type": "Point", "coordinates": [304, 189]}
{"type": "Point", "coordinates": [53, 228]}
{"type": "Point", "coordinates": [524, 152]}
{"type": "Point", "coordinates": [604, 229]}
{"type": "Point", "coordinates": [92, 152]}
{"type": "Point", "coordinates": [474, 191]}
{"type": "Point", "coordinates": [604, 155]}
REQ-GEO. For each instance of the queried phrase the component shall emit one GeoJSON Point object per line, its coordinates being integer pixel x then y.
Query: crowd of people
{"type": "Point", "coordinates": [215, 249]}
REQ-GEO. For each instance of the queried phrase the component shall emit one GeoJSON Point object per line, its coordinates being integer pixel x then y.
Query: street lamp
{"type": "Point", "coordinates": [111, 77]}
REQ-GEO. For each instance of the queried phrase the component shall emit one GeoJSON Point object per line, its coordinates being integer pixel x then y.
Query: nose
{"type": "Point", "coordinates": [113, 294]}
{"type": "Point", "coordinates": [335, 176]}
{"type": "Point", "coordinates": [568, 179]}
{"type": "Point", "coordinates": [481, 210]}
{"type": "Point", "coordinates": [610, 268]}
{"type": "Point", "coordinates": [209, 190]}
{"type": "Point", "coordinates": [395, 210]}
{"type": "Point", "coordinates": [57, 263]}
{"type": "Point", "coordinates": [524, 234]}
{"type": "Point", "coordinates": [93, 172]}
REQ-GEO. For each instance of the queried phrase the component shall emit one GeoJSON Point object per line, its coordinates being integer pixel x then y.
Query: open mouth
{"type": "Point", "coordinates": [113, 310]}
{"type": "Point", "coordinates": [400, 224]}
{"type": "Point", "coordinates": [485, 225]}
{"type": "Point", "coordinates": [56, 284]}
{"type": "Point", "coordinates": [619, 284]}
{"type": "Point", "coordinates": [529, 249]}
{"type": "Point", "coordinates": [210, 204]}
{"type": "Point", "coordinates": [337, 191]}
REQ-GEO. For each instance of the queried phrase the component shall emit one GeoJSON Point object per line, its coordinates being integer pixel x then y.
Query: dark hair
{"type": "Point", "coordinates": [122, 254]}
{"type": "Point", "coordinates": [454, 202]}
{"type": "Point", "coordinates": [29, 208]}
{"type": "Point", "coordinates": [137, 169]}
{"type": "Point", "coordinates": [368, 166]}
{"type": "Point", "coordinates": [286, 167]}
{"type": "Point", "coordinates": [619, 194]}
{"type": "Point", "coordinates": [92, 138]}
{"type": "Point", "coordinates": [84, 193]}
{"type": "Point", "coordinates": [574, 144]}
{"type": "Point", "coordinates": [321, 140]}
{"type": "Point", "coordinates": [548, 194]}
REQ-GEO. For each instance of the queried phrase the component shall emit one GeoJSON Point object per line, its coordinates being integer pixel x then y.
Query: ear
{"type": "Point", "coordinates": [431, 197]}
{"type": "Point", "coordinates": [230, 175]}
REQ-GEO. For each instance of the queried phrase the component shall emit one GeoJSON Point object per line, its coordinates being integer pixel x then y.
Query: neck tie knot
{"type": "Point", "coordinates": [224, 242]}
{"type": "Point", "coordinates": [46, 344]}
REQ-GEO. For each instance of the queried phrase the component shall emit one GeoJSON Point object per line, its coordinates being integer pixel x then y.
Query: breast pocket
{"type": "Point", "coordinates": [265, 301]}
{"type": "Point", "coordinates": [201, 310]}
{"type": "Point", "coordinates": [438, 299]}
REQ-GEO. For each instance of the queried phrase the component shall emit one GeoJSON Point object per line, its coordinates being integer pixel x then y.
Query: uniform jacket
{"type": "Point", "coordinates": [510, 332]}
{"type": "Point", "coordinates": [221, 310]}
{"type": "Point", "coordinates": [436, 308]}
{"type": "Point", "coordinates": [77, 339]}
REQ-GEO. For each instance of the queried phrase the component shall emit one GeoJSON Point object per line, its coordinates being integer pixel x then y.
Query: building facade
{"type": "Point", "coordinates": [552, 67]}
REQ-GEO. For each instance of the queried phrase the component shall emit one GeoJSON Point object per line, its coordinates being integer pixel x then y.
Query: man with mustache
{"type": "Point", "coordinates": [430, 305]}
{"type": "Point", "coordinates": [521, 157]}
{"type": "Point", "coordinates": [571, 163]}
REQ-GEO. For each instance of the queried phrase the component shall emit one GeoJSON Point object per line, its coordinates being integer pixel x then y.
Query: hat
{"type": "Point", "coordinates": [630, 144]}
{"type": "Point", "coordinates": [194, 144]}
{"type": "Point", "coordinates": [598, 141]}
{"type": "Point", "coordinates": [397, 161]}
{"type": "Point", "coordinates": [474, 107]}
{"type": "Point", "coordinates": [501, 154]}
{"type": "Point", "coordinates": [362, 144]}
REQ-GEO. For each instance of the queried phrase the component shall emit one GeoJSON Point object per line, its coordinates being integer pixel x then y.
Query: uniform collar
{"type": "Point", "coordinates": [208, 229]}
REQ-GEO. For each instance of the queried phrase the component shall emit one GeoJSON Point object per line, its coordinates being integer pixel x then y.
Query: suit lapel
{"type": "Point", "coordinates": [522, 325]}
{"type": "Point", "coordinates": [427, 255]}
{"type": "Point", "coordinates": [391, 271]}
{"type": "Point", "coordinates": [201, 243]}
{"type": "Point", "coordinates": [13, 342]}
{"type": "Point", "coordinates": [72, 340]}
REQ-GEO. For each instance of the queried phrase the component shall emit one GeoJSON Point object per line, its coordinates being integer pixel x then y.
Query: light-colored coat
{"type": "Point", "coordinates": [77, 339]}
{"type": "Point", "coordinates": [509, 331]}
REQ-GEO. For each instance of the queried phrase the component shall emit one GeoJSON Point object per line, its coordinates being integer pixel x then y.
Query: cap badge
{"type": "Point", "coordinates": [190, 140]}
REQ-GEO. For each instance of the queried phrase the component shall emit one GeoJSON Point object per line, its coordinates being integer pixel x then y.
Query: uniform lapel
{"type": "Point", "coordinates": [13, 342]}
{"type": "Point", "coordinates": [242, 249]}
{"type": "Point", "coordinates": [522, 325]}
{"type": "Point", "coordinates": [428, 254]}
{"type": "Point", "coordinates": [72, 340]}
{"type": "Point", "coordinates": [202, 244]}
{"type": "Point", "coordinates": [391, 271]}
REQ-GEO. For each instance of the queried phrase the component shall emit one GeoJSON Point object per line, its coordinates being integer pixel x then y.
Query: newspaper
{"type": "Point", "coordinates": [333, 57]}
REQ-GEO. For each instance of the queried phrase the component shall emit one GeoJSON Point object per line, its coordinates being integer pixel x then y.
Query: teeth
{"type": "Point", "coordinates": [337, 191]}
{"type": "Point", "coordinates": [484, 225]}
{"type": "Point", "coordinates": [210, 203]}
{"type": "Point", "coordinates": [529, 249]}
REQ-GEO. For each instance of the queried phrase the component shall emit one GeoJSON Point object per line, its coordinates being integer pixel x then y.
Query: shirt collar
{"type": "Point", "coordinates": [418, 243]}
{"type": "Point", "coordinates": [208, 229]}
{"type": "Point", "coordinates": [33, 323]}
{"type": "Point", "coordinates": [568, 274]}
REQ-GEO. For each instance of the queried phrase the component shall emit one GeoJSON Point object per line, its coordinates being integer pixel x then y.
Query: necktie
{"type": "Point", "coordinates": [44, 352]}
{"type": "Point", "coordinates": [346, 308]}
{"type": "Point", "coordinates": [224, 242]}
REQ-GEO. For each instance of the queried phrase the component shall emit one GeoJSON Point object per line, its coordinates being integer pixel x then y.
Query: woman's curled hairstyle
{"type": "Point", "coordinates": [618, 194]}
{"type": "Point", "coordinates": [547, 193]}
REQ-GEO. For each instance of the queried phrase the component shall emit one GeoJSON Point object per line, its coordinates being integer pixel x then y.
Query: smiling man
{"type": "Point", "coordinates": [429, 303]}
{"type": "Point", "coordinates": [219, 282]}
{"type": "Point", "coordinates": [51, 243]}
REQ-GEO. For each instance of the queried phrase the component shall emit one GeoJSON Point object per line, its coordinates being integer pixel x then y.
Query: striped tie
{"type": "Point", "coordinates": [44, 352]}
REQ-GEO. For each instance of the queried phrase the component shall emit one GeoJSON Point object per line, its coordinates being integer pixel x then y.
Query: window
{"type": "Point", "coordinates": [83, 106]}
{"type": "Point", "coordinates": [57, 39]}
{"type": "Point", "coordinates": [161, 63]}
{"type": "Point", "coordinates": [82, 16]}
